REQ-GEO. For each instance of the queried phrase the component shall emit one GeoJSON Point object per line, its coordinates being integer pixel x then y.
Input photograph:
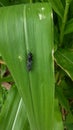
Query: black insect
{"type": "Point", "coordinates": [29, 61]}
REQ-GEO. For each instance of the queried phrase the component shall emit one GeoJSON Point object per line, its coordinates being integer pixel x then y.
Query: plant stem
{"type": "Point", "coordinates": [64, 22]}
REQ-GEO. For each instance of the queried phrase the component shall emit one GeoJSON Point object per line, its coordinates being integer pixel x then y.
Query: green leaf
{"type": "Point", "coordinates": [6, 79]}
{"type": "Point", "coordinates": [58, 124]}
{"type": "Point", "coordinates": [69, 118]}
{"type": "Point", "coordinates": [56, 38]}
{"type": "Point", "coordinates": [69, 126]}
{"type": "Point", "coordinates": [21, 121]}
{"type": "Point", "coordinates": [69, 27]}
{"type": "Point", "coordinates": [64, 58]}
{"type": "Point", "coordinates": [13, 115]}
{"type": "Point", "coordinates": [24, 29]}
{"type": "Point", "coordinates": [71, 10]}
{"type": "Point", "coordinates": [58, 7]}
{"type": "Point", "coordinates": [62, 99]}
{"type": "Point", "coordinates": [68, 1]}
{"type": "Point", "coordinates": [4, 2]}
{"type": "Point", "coordinates": [67, 87]}
{"type": "Point", "coordinates": [13, 2]}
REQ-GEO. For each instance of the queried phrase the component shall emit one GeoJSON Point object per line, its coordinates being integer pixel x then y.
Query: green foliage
{"type": "Point", "coordinates": [58, 7]}
{"type": "Point", "coordinates": [69, 27]}
{"type": "Point", "coordinates": [58, 117]}
{"type": "Point", "coordinates": [38, 101]}
{"type": "Point", "coordinates": [16, 108]}
{"type": "Point", "coordinates": [3, 95]}
{"type": "Point", "coordinates": [17, 119]}
{"type": "Point", "coordinates": [66, 62]}
{"type": "Point", "coordinates": [62, 99]}
{"type": "Point", "coordinates": [36, 32]}
{"type": "Point", "coordinates": [13, 2]}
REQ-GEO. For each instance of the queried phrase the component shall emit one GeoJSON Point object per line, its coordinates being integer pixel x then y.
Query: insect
{"type": "Point", "coordinates": [29, 61]}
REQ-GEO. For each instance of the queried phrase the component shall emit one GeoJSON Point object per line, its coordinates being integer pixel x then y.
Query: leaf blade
{"type": "Point", "coordinates": [69, 27]}
{"type": "Point", "coordinates": [66, 62]}
{"type": "Point", "coordinates": [58, 7]}
{"type": "Point", "coordinates": [18, 42]}
{"type": "Point", "coordinates": [10, 115]}
{"type": "Point", "coordinates": [58, 125]}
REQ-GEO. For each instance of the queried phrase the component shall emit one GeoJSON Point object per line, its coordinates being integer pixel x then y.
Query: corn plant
{"type": "Point", "coordinates": [29, 35]}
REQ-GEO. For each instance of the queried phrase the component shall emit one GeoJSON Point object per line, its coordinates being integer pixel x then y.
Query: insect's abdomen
{"type": "Point", "coordinates": [29, 61]}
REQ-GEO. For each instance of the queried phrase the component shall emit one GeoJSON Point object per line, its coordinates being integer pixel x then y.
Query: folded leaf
{"type": "Point", "coordinates": [26, 44]}
{"type": "Point", "coordinates": [64, 58]}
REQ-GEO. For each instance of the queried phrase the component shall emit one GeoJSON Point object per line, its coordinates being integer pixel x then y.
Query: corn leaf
{"type": "Point", "coordinates": [58, 124]}
{"type": "Point", "coordinates": [4, 2]}
{"type": "Point", "coordinates": [21, 121]}
{"type": "Point", "coordinates": [13, 2]}
{"type": "Point", "coordinates": [66, 62]}
{"type": "Point", "coordinates": [12, 110]}
{"type": "Point", "coordinates": [24, 29]}
{"type": "Point", "coordinates": [58, 7]}
{"type": "Point", "coordinates": [62, 99]}
{"type": "Point", "coordinates": [68, 1]}
{"type": "Point", "coordinates": [13, 115]}
{"type": "Point", "coordinates": [69, 27]}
